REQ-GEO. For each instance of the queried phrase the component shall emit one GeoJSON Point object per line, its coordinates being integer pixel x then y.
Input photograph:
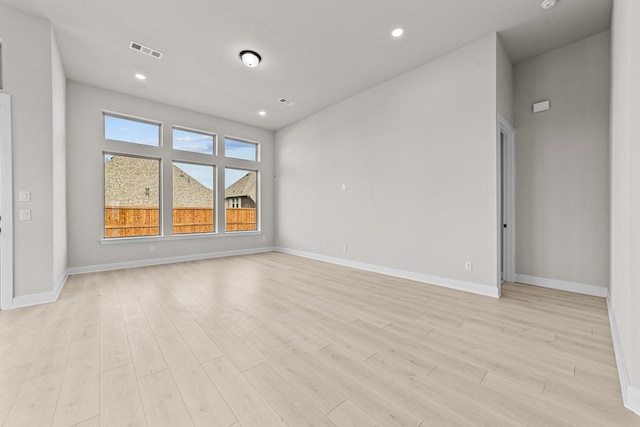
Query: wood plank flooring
{"type": "Point", "coordinates": [277, 340]}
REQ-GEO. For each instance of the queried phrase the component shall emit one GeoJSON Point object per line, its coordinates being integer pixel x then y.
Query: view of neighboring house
{"type": "Point", "coordinates": [189, 192]}
{"type": "Point", "coordinates": [124, 188]}
{"type": "Point", "coordinates": [132, 202]}
{"type": "Point", "coordinates": [242, 193]}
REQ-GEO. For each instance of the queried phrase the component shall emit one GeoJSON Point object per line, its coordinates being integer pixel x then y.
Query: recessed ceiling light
{"type": "Point", "coordinates": [262, 113]}
{"type": "Point", "coordinates": [140, 76]}
{"type": "Point", "coordinates": [548, 4]}
{"type": "Point", "coordinates": [398, 32]}
{"type": "Point", "coordinates": [250, 58]}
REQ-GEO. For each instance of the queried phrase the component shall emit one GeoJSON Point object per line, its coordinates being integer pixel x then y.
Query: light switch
{"type": "Point", "coordinates": [24, 196]}
{"type": "Point", "coordinates": [25, 215]}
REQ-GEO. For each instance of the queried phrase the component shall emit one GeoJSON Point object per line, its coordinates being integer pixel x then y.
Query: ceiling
{"type": "Point", "coordinates": [314, 52]}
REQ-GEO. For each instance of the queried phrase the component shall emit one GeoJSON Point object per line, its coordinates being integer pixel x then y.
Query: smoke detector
{"type": "Point", "coordinates": [548, 4]}
{"type": "Point", "coordinates": [288, 102]}
{"type": "Point", "coordinates": [145, 49]}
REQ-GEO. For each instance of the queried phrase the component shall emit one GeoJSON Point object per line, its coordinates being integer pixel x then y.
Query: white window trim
{"type": "Point", "coordinates": [202, 132]}
{"type": "Point", "coordinates": [167, 155]}
{"type": "Point", "coordinates": [258, 202]}
{"type": "Point", "coordinates": [248, 141]}
{"type": "Point", "coordinates": [133, 119]}
{"type": "Point", "coordinates": [214, 201]}
{"type": "Point", "coordinates": [160, 195]}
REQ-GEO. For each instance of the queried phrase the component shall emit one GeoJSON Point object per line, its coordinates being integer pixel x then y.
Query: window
{"type": "Point", "coordinates": [131, 196]}
{"type": "Point", "coordinates": [243, 150]}
{"type": "Point", "coordinates": [241, 199]}
{"type": "Point", "coordinates": [171, 190]}
{"type": "Point", "coordinates": [193, 198]}
{"type": "Point", "coordinates": [197, 142]}
{"type": "Point", "coordinates": [129, 130]}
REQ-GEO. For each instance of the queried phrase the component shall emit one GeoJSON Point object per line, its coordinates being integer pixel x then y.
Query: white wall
{"type": "Point", "coordinates": [418, 157]}
{"type": "Point", "coordinates": [59, 160]}
{"type": "Point", "coordinates": [625, 192]}
{"type": "Point", "coordinates": [504, 77]}
{"type": "Point", "coordinates": [562, 164]}
{"type": "Point", "coordinates": [86, 143]}
{"type": "Point", "coordinates": [28, 73]}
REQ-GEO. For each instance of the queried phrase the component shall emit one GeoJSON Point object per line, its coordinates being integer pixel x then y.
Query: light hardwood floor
{"type": "Point", "coordinates": [273, 339]}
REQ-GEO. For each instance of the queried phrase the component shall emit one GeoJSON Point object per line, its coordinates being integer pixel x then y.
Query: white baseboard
{"type": "Point", "coordinates": [52, 296]}
{"type": "Point", "coordinates": [42, 298]}
{"type": "Point", "coordinates": [460, 285]}
{"type": "Point", "coordinates": [632, 401]}
{"type": "Point", "coordinates": [630, 393]}
{"type": "Point", "coordinates": [167, 260]}
{"type": "Point", "coordinates": [562, 285]}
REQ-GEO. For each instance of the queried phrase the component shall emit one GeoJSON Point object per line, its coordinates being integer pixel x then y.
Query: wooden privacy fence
{"type": "Point", "coordinates": [241, 219]}
{"type": "Point", "coordinates": [129, 221]}
{"type": "Point", "coordinates": [192, 220]}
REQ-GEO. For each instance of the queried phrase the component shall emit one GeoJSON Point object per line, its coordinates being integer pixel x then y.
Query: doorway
{"type": "Point", "coordinates": [507, 160]}
{"type": "Point", "coordinates": [6, 205]}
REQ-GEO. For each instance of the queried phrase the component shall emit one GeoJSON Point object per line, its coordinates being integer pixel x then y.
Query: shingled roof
{"type": "Point", "coordinates": [189, 192]}
{"type": "Point", "coordinates": [132, 181]}
{"type": "Point", "coordinates": [245, 186]}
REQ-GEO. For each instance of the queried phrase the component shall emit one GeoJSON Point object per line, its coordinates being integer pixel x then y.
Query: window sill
{"type": "Point", "coordinates": [177, 237]}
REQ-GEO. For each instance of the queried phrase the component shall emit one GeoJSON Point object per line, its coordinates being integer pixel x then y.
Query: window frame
{"type": "Point", "coordinates": [198, 131]}
{"type": "Point", "coordinates": [258, 207]}
{"type": "Point", "coordinates": [244, 140]}
{"type": "Point", "coordinates": [214, 199]}
{"type": "Point", "coordinates": [138, 119]}
{"type": "Point", "coordinates": [166, 154]}
{"type": "Point", "coordinates": [104, 202]}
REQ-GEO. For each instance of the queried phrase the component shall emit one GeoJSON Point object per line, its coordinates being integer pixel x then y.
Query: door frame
{"type": "Point", "coordinates": [6, 205]}
{"type": "Point", "coordinates": [507, 158]}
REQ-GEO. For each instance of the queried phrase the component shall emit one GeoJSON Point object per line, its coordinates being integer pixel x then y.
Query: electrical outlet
{"type": "Point", "coordinates": [468, 266]}
{"type": "Point", "coordinates": [344, 187]}
{"type": "Point", "coordinates": [344, 248]}
{"type": "Point", "coordinates": [25, 215]}
{"type": "Point", "coordinates": [152, 248]}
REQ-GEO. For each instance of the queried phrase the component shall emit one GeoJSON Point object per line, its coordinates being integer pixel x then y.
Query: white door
{"type": "Point", "coordinates": [6, 205]}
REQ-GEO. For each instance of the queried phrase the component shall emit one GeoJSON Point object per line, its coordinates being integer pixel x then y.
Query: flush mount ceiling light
{"type": "Point", "coordinates": [262, 113]}
{"type": "Point", "coordinates": [250, 58]}
{"type": "Point", "coordinates": [548, 4]}
{"type": "Point", "coordinates": [398, 32]}
{"type": "Point", "coordinates": [140, 76]}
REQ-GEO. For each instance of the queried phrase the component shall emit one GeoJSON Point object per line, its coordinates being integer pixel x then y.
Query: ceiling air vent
{"type": "Point", "coordinates": [145, 49]}
{"type": "Point", "coordinates": [288, 102]}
